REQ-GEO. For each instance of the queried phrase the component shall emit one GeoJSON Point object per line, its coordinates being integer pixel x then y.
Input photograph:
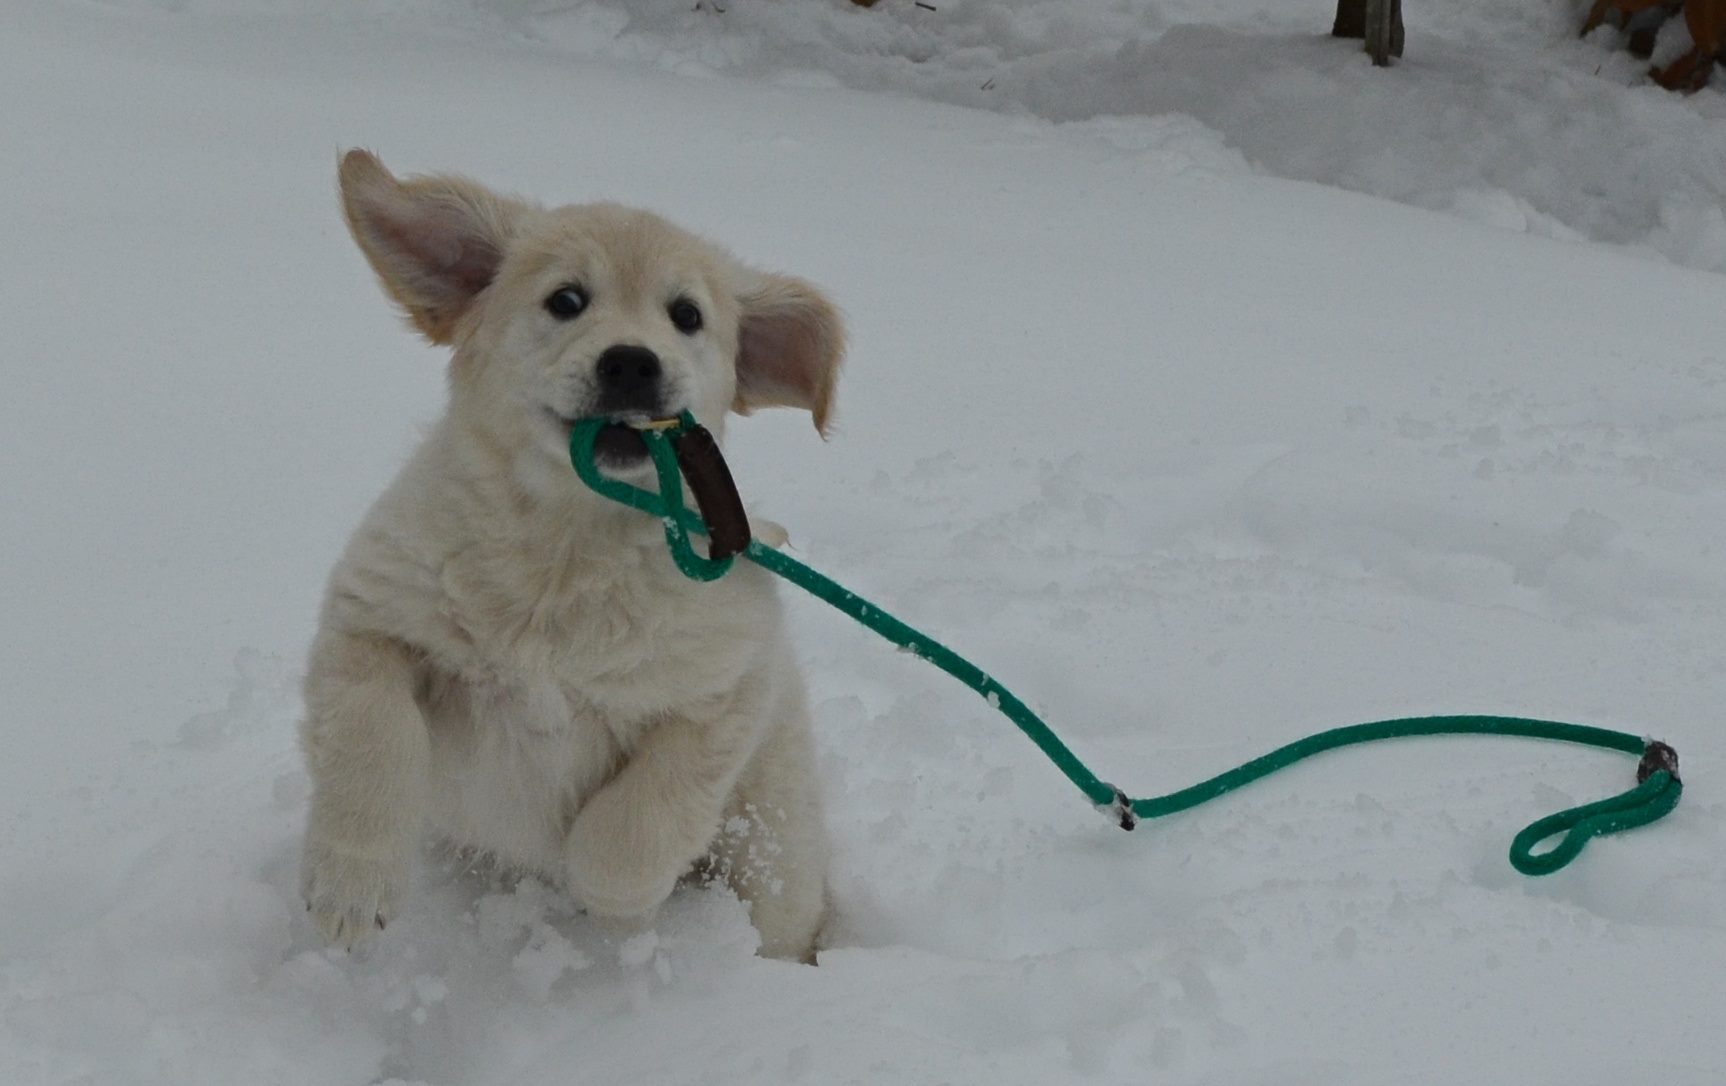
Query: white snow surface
{"type": "Point", "coordinates": [1194, 453]}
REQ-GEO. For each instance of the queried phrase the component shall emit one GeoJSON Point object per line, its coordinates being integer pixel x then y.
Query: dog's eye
{"type": "Point", "coordinates": [566, 303]}
{"type": "Point", "coordinates": [686, 315]}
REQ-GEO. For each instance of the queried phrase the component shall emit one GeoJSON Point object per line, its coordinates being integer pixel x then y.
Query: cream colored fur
{"type": "Point", "coordinates": [513, 663]}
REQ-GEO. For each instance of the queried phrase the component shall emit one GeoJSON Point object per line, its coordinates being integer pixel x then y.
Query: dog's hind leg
{"type": "Point", "coordinates": [772, 847]}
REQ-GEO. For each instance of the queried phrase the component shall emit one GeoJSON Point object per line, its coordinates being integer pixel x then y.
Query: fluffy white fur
{"type": "Point", "coordinates": [514, 663]}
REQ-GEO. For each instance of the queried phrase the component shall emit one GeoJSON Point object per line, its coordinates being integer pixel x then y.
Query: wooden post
{"type": "Point", "coordinates": [1350, 19]}
{"type": "Point", "coordinates": [1384, 34]}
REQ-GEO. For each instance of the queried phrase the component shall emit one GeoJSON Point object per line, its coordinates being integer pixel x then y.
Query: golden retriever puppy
{"type": "Point", "coordinates": [514, 663]}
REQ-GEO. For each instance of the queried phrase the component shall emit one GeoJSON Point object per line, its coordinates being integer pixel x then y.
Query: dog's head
{"type": "Point", "coordinates": [571, 312]}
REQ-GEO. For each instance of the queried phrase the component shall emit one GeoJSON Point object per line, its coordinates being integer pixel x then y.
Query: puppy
{"type": "Point", "coordinates": [513, 662]}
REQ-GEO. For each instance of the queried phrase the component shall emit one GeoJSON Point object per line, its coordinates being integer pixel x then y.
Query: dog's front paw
{"type": "Point", "coordinates": [351, 893]}
{"type": "Point", "coordinates": [621, 861]}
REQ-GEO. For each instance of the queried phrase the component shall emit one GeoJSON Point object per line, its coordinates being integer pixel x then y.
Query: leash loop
{"type": "Point", "coordinates": [667, 505]}
{"type": "Point", "coordinates": [1647, 802]}
{"type": "Point", "coordinates": [1657, 792]}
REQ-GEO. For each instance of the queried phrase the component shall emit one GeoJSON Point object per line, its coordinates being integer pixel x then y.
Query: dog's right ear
{"type": "Point", "coordinates": [435, 242]}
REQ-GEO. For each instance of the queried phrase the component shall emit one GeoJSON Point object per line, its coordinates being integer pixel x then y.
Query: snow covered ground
{"type": "Point", "coordinates": [1196, 454]}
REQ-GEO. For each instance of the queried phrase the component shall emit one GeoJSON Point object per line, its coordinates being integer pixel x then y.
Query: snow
{"type": "Point", "coordinates": [1208, 388]}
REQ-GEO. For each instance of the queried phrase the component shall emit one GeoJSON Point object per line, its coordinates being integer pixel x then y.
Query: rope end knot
{"type": "Point", "coordinates": [1657, 756]}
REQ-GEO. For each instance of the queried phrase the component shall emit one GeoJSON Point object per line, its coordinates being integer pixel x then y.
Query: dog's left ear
{"type": "Point", "coordinates": [790, 342]}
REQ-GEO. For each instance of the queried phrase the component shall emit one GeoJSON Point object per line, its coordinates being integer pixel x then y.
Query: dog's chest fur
{"type": "Point", "coordinates": [547, 653]}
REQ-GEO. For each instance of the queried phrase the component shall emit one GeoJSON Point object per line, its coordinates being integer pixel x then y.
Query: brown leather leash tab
{"type": "Point", "coordinates": [715, 493]}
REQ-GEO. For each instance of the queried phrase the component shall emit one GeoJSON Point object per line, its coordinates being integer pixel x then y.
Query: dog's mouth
{"type": "Point", "coordinates": [617, 445]}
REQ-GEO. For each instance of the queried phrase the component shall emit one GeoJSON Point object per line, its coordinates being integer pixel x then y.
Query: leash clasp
{"type": "Point", "coordinates": [1119, 810]}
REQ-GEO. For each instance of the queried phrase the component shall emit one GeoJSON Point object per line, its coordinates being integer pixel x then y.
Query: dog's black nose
{"type": "Point", "coordinates": [629, 379]}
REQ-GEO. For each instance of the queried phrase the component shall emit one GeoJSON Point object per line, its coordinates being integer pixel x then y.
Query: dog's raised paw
{"type": "Point", "coordinates": [619, 863]}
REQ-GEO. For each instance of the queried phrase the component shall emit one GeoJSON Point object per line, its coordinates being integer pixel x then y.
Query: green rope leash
{"type": "Point", "coordinates": [1656, 794]}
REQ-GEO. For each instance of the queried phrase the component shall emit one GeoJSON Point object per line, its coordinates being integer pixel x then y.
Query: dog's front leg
{"type": "Point", "coordinates": [637, 835]}
{"type": "Point", "coordinates": [369, 755]}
